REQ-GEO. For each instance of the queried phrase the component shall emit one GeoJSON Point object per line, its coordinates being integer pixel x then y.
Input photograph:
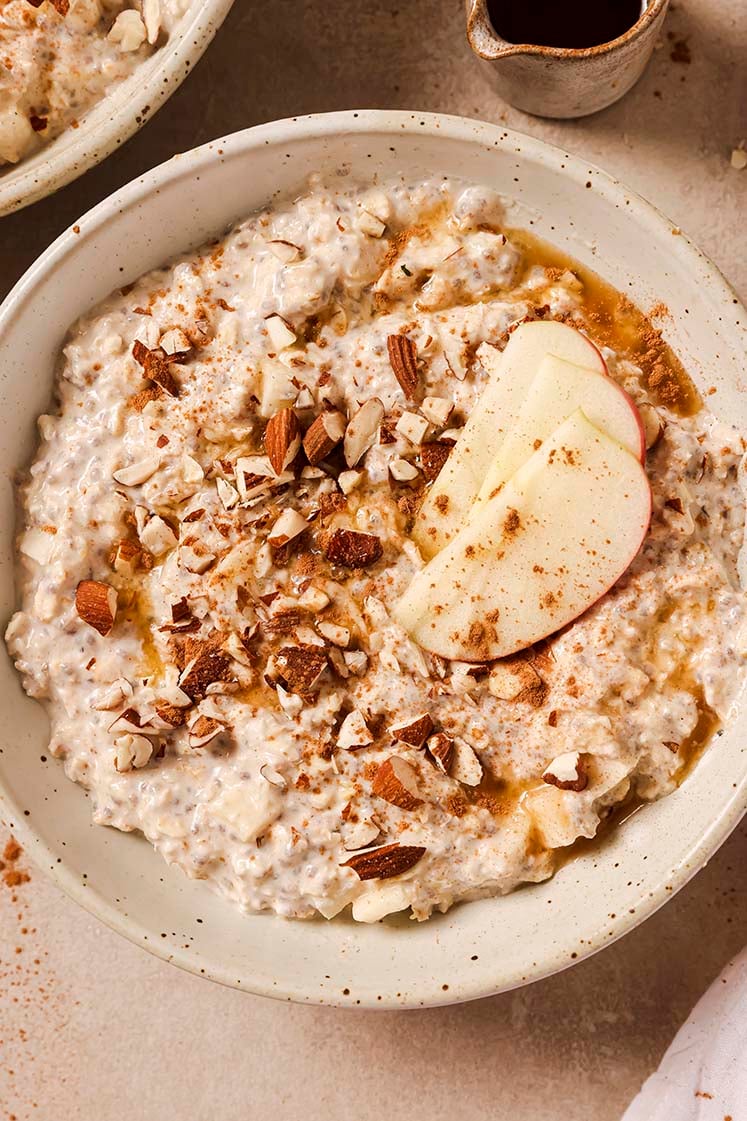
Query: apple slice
{"type": "Point", "coordinates": [538, 554]}
{"type": "Point", "coordinates": [556, 392]}
{"type": "Point", "coordinates": [510, 374]}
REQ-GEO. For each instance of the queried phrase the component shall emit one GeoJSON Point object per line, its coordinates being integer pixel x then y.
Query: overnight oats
{"type": "Point", "coordinates": [374, 554]}
{"type": "Point", "coordinates": [61, 57]}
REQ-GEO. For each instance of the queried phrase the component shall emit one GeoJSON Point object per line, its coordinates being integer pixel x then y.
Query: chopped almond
{"type": "Point", "coordinates": [96, 604]}
{"type": "Point", "coordinates": [569, 771]}
{"type": "Point", "coordinates": [516, 679]}
{"type": "Point", "coordinates": [204, 730]}
{"type": "Point", "coordinates": [208, 665]}
{"type": "Point", "coordinates": [301, 667]}
{"type": "Point", "coordinates": [414, 731]}
{"type": "Point", "coordinates": [384, 862]}
{"type": "Point", "coordinates": [282, 439]}
{"type": "Point", "coordinates": [403, 358]}
{"type": "Point", "coordinates": [360, 433]}
{"type": "Point", "coordinates": [396, 782]}
{"type": "Point", "coordinates": [323, 436]}
{"type": "Point", "coordinates": [441, 751]}
{"type": "Point", "coordinates": [432, 458]}
{"type": "Point", "coordinates": [352, 549]}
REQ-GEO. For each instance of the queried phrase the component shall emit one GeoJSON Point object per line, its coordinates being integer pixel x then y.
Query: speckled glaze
{"type": "Point", "coordinates": [557, 82]}
{"type": "Point", "coordinates": [118, 116]}
{"type": "Point", "coordinates": [482, 947]}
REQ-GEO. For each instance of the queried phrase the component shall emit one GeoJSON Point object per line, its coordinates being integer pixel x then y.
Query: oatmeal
{"type": "Point", "coordinates": [61, 57]}
{"type": "Point", "coordinates": [221, 521]}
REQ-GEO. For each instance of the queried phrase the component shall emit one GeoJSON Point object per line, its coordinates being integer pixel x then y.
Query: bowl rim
{"type": "Point", "coordinates": [128, 108]}
{"type": "Point", "coordinates": [319, 126]}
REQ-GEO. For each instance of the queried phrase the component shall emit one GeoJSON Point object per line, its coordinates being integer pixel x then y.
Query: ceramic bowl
{"type": "Point", "coordinates": [113, 120]}
{"type": "Point", "coordinates": [477, 948]}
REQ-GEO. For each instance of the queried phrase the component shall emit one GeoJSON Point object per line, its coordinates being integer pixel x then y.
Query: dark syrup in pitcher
{"type": "Point", "coordinates": [573, 24]}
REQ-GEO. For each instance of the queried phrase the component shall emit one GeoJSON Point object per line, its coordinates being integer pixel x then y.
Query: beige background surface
{"type": "Point", "coordinates": [92, 1028]}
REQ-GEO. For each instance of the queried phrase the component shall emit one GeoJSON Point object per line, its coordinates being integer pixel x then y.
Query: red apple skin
{"type": "Point", "coordinates": [637, 415]}
{"type": "Point", "coordinates": [629, 399]}
{"type": "Point", "coordinates": [593, 345]}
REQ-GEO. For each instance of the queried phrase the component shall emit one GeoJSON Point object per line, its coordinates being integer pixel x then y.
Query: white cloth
{"type": "Point", "coordinates": [703, 1076]}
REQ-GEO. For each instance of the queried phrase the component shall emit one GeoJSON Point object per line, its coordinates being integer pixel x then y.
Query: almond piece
{"type": "Point", "coordinates": [156, 367]}
{"type": "Point", "coordinates": [112, 696]}
{"type": "Point", "coordinates": [170, 714]}
{"type": "Point", "coordinates": [290, 703]}
{"type": "Point", "coordinates": [402, 471]}
{"type": "Point", "coordinates": [384, 862]}
{"type": "Point", "coordinates": [139, 472]}
{"type": "Point", "coordinates": [653, 425]}
{"type": "Point", "coordinates": [126, 557]}
{"type": "Point", "coordinates": [182, 618]}
{"type": "Point", "coordinates": [441, 751]}
{"type": "Point", "coordinates": [360, 433]}
{"type": "Point", "coordinates": [403, 358]}
{"type": "Point", "coordinates": [359, 835]}
{"type": "Point", "coordinates": [437, 410]}
{"type": "Point", "coordinates": [354, 732]}
{"type": "Point", "coordinates": [254, 476]}
{"type": "Point", "coordinates": [288, 526]}
{"type": "Point", "coordinates": [208, 665]}
{"type": "Point", "coordinates": [335, 633]}
{"type": "Point", "coordinates": [228, 494]}
{"type": "Point", "coordinates": [195, 557]}
{"type": "Point", "coordinates": [412, 426]}
{"type": "Point", "coordinates": [414, 731]}
{"type": "Point", "coordinates": [175, 343]}
{"type": "Point", "coordinates": [432, 458]}
{"type": "Point", "coordinates": [356, 661]}
{"type": "Point", "coordinates": [396, 782]}
{"type": "Point", "coordinates": [151, 10]}
{"type": "Point", "coordinates": [569, 771]}
{"type": "Point", "coordinates": [279, 332]}
{"type": "Point", "coordinates": [313, 599]}
{"type": "Point", "coordinates": [351, 549]}
{"type": "Point", "coordinates": [323, 436]}
{"type": "Point", "coordinates": [96, 604]}
{"type": "Point", "coordinates": [127, 721]}
{"type": "Point", "coordinates": [347, 481]}
{"type": "Point", "coordinates": [132, 751]}
{"type": "Point", "coordinates": [203, 730]}
{"type": "Point", "coordinates": [158, 537]}
{"type": "Point", "coordinates": [369, 224]}
{"type": "Point", "coordinates": [300, 667]}
{"type": "Point", "coordinates": [282, 439]}
{"type": "Point", "coordinates": [515, 679]}
{"type": "Point", "coordinates": [465, 766]}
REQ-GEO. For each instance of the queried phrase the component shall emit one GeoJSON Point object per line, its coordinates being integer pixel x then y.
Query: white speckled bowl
{"type": "Point", "coordinates": [478, 948]}
{"type": "Point", "coordinates": [114, 119]}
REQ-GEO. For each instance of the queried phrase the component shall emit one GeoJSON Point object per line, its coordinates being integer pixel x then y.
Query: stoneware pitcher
{"type": "Point", "coordinates": [559, 81]}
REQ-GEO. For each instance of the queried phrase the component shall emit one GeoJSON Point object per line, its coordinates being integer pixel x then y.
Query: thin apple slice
{"type": "Point", "coordinates": [510, 374]}
{"type": "Point", "coordinates": [542, 551]}
{"type": "Point", "coordinates": [558, 389]}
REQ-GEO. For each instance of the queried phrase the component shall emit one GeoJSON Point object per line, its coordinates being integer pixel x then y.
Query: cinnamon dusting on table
{"type": "Point", "coordinates": [511, 523]}
{"type": "Point", "coordinates": [12, 876]}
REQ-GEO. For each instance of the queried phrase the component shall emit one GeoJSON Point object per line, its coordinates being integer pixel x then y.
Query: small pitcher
{"type": "Point", "coordinates": [559, 81]}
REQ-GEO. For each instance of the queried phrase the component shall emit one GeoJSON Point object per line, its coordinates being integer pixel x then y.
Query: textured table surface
{"type": "Point", "coordinates": [92, 1028]}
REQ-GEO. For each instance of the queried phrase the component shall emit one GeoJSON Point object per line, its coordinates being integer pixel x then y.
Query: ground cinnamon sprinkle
{"type": "Point", "coordinates": [36, 1007]}
{"type": "Point", "coordinates": [656, 361]}
{"type": "Point", "coordinates": [512, 523]}
{"type": "Point", "coordinates": [12, 876]}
